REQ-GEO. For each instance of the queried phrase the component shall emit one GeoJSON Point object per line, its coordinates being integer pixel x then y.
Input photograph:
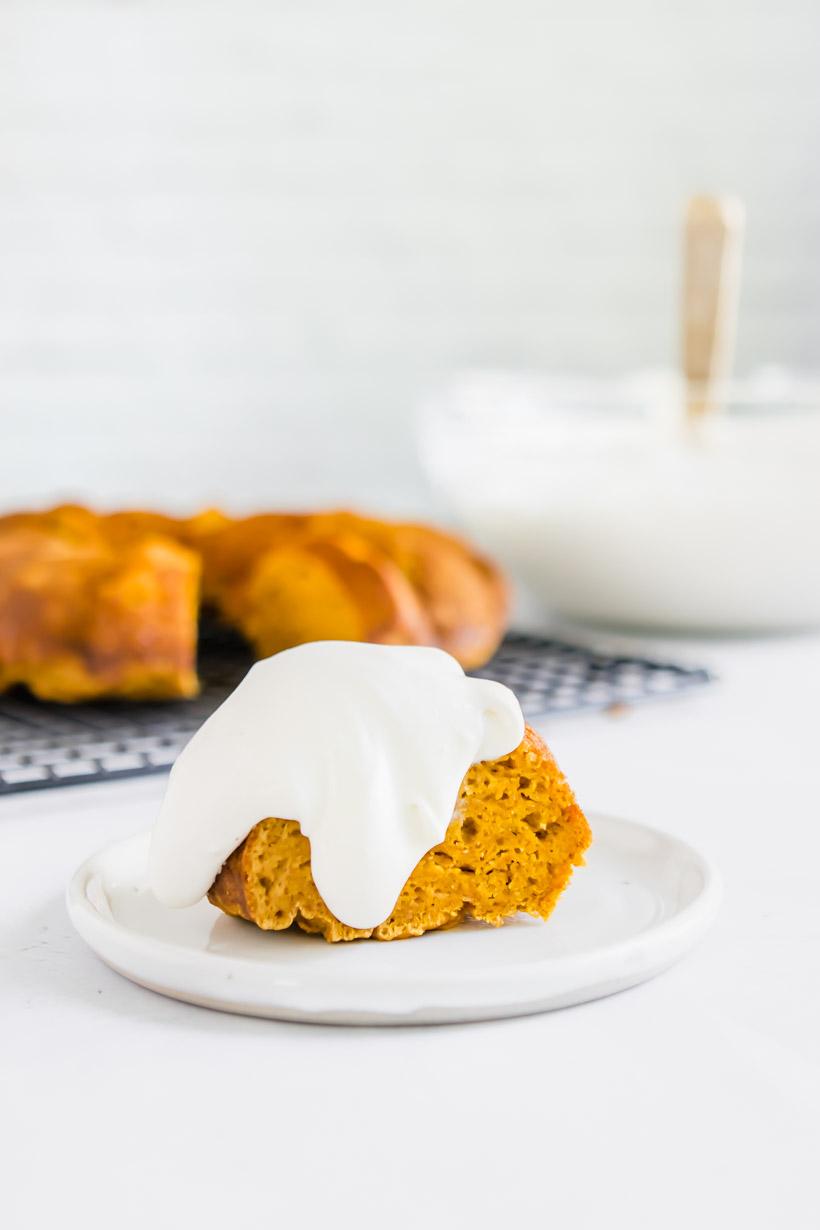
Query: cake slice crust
{"type": "Point", "coordinates": [83, 617]}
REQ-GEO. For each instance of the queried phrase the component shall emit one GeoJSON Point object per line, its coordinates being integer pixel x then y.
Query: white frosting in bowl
{"type": "Point", "coordinates": [365, 745]}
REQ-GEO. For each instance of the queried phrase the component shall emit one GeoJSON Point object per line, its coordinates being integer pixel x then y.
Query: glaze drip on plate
{"type": "Point", "coordinates": [365, 745]}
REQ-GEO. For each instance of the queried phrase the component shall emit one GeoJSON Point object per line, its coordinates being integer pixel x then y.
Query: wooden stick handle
{"type": "Point", "coordinates": [713, 243]}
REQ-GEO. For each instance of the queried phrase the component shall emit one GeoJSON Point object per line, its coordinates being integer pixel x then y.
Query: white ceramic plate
{"type": "Point", "coordinates": [639, 904]}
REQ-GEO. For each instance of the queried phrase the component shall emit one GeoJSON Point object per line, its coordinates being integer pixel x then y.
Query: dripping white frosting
{"type": "Point", "coordinates": [365, 745]}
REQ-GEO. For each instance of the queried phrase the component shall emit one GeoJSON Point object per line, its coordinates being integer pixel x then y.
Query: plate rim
{"type": "Point", "coordinates": [433, 997]}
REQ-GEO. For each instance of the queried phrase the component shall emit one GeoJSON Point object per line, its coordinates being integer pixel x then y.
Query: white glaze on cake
{"type": "Point", "coordinates": [365, 745]}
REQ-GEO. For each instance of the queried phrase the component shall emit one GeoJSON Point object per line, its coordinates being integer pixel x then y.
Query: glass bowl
{"type": "Point", "coordinates": [613, 508]}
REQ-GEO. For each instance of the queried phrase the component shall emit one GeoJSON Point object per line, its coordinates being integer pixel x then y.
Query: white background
{"type": "Point", "coordinates": [238, 240]}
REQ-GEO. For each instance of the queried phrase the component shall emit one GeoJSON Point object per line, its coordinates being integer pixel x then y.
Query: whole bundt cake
{"type": "Point", "coordinates": [107, 605]}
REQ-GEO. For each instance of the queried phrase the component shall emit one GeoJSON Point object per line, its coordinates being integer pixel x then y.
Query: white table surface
{"type": "Point", "coordinates": [692, 1100]}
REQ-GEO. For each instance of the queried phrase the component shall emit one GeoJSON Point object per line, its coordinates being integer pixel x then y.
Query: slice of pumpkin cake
{"type": "Point", "coordinates": [359, 790]}
{"type": "Point", "coordinates": [514, 839]}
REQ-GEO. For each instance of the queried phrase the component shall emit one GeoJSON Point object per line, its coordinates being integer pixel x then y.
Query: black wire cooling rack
{"type": "Point", "coordinates": [44, 745]}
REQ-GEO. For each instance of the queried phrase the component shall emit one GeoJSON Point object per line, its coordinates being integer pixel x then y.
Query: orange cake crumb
{"type": "Point", "coordinates": [515, 836]}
